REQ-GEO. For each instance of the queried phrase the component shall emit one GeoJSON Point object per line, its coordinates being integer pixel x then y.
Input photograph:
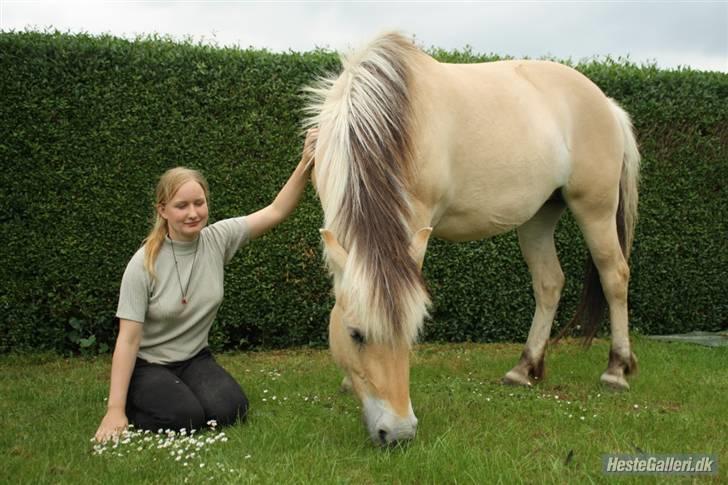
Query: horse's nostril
{"type": "Point", "coordinates": [383, 436]}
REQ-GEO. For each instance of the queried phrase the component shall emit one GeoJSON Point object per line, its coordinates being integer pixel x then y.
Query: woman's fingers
{"type": "Point", "coordinates": [110, 429]}
{"type": "Point", "coordinates": [103, 436]}
{"type": "Point", "coordinates": [309, 146]}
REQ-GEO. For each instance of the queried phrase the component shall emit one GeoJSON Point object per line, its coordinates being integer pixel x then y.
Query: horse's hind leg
{"type": "Point", "coordinates": [536, 238]}
{"type": "Point", "coordinates": [598, 224]}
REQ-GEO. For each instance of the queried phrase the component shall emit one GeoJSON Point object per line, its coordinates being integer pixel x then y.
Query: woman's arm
{"type": "Point", "coordinates": [122, 366]}
{"type": "Point", "coordinates": [287, 199]}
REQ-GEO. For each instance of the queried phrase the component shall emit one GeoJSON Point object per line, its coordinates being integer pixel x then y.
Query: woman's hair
{"type": "Point", "coordinates": [168, 185]}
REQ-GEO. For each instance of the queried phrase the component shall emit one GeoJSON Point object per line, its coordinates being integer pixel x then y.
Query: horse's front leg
{"type": "Point", "coordinates": [536, 238]}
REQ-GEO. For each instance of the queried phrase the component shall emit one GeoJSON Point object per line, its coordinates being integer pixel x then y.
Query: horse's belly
{"type": "Point", "coordinates": [467, 223]}
{"type": "Point", "coordinates": [486, 197]}
{"type": "Point", "coordinates": [459, 230]}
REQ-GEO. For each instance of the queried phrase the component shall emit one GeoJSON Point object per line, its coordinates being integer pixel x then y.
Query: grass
{"type": "Point", "coordinates": [301, 429]}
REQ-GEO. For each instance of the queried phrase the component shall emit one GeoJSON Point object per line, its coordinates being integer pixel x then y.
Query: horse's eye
{"type": "Point", "coordinates": [357, 336]}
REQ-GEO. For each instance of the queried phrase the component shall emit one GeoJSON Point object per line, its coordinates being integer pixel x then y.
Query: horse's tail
{"type": "Point", "coordinates": [363, 173]}
{"type": "Point", "coordinates": [592, 306]}
{"type": "Point", "coordinates": [629, 182]}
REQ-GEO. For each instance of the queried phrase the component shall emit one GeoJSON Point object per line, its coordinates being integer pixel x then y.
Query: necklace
{"type": "Point", "coordinates": [176, 267]}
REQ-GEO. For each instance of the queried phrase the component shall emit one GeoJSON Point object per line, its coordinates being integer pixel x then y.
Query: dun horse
{"type": "Point", "coordinates": [410, 147]}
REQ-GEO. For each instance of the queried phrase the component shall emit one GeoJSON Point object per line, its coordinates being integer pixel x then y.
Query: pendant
{"type": "Point", "coordinates": [184, 301]}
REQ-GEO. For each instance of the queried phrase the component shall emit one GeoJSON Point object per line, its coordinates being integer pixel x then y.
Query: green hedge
{"type": "Point", "coordinates": [89, 123]}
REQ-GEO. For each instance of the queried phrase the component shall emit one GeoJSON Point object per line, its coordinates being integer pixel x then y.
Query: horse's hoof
{"type": "Point", "coordinates": [346, 385]}
{"type": "Point", "coordinates": [617, 383]}
{"type": "Point", "coordinates": [514, 378]}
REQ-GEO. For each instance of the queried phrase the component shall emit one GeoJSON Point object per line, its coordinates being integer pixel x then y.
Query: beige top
{"type": "Point", "coordinates": [174, 331]}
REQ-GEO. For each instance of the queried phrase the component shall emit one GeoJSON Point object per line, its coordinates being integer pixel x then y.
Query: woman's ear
{"type": "Point", "coordinates": [161, 210]}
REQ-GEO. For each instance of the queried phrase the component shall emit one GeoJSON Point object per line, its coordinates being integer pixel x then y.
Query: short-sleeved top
{"type": "Point", "coordinates": [174, 331]}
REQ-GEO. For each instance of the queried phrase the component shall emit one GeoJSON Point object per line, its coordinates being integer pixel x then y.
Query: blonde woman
{"type": "Point", "coordinates": [162, 373]}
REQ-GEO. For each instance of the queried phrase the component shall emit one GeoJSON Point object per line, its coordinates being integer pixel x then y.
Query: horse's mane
{"type": "Point", "coordinates": [364, 168]}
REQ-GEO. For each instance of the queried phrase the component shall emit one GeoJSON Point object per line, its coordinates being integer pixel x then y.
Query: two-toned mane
{"type": "Point", "coordinates": [363, 176]}
{"type": "Point", "coordinates": [409, 147]}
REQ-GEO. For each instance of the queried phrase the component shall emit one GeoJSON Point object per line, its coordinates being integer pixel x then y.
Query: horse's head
{"type": "Point", "coordinates": [377, 371]}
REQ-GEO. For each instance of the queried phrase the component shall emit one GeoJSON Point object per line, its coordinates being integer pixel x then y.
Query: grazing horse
{"type": "Point", "coordinates": [409, 147]}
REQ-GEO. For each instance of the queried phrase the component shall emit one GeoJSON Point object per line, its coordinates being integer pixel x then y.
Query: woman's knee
{"type": "Point", "coordinates": [188, 414]}
{"type": "Point", "coordinates": [219, 393]}
{"type": "Point", "coordinates": [227, 409]}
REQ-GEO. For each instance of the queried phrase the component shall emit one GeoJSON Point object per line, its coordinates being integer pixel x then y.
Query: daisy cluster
{"type": "Point", "coordinates": [572, 409]}
{"type": "Point", "coordinates": [185, 447]}
{"type": "Point", "coordinates": [578, 410]}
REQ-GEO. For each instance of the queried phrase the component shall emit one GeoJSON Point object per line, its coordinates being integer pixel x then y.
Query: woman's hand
{"type": "Point", "coordinates": [112, 426]}
{"type": "Point", "coordinates": [122, 366]}
{"type": "Point", "coordinates": [309, 148]}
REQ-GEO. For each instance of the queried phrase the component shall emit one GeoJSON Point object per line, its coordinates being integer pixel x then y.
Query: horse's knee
{"type": "Point", "coordinates": [548, 289]}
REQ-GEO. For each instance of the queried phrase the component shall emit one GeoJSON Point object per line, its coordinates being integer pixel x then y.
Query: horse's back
{"type": "Point", "coordinates": [499, 138]}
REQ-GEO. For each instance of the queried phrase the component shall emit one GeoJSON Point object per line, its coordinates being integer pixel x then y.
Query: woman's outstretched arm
{"type": "Point", "coordinates": [122, 366]}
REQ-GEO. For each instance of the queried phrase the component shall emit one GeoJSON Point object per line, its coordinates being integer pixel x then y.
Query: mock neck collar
{"type": "Point", "coordinates": [182, 247]}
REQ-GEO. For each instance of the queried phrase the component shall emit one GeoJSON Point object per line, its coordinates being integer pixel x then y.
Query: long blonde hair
{"type": "Point", "coordinates": [168, 185]}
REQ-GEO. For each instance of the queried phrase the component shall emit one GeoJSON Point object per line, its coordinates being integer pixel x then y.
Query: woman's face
{"type": "Point", "coordinates": [185, 212]}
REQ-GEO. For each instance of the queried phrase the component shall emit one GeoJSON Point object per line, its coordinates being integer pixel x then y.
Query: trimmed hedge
{"type": "Point", "coordinates": [89, 123]}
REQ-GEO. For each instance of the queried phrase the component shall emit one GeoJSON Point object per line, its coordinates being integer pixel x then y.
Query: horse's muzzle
{"type": "Point", "coordinates": [385, 427]}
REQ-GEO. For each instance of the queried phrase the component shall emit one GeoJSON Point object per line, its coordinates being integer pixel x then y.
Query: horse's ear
{"type": "Point", "coordinates": [418, 246]}
{"type": "Point", "coordinates": [337, 254]}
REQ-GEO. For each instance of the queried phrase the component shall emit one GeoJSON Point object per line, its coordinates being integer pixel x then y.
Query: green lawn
{"type": "Point", "coordinates": [301, 429]}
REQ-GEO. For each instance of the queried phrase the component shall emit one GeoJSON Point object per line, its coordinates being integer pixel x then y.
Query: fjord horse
{"type": "Point", "coordinates": [409, 147]}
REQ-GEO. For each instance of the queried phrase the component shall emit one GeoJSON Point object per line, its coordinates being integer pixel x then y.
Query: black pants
{"type": "Point", "coordinates": [185, 394]}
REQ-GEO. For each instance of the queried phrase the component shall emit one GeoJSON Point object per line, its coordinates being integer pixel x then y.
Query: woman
{"type": "Point", "coordinates": [162, 373]}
